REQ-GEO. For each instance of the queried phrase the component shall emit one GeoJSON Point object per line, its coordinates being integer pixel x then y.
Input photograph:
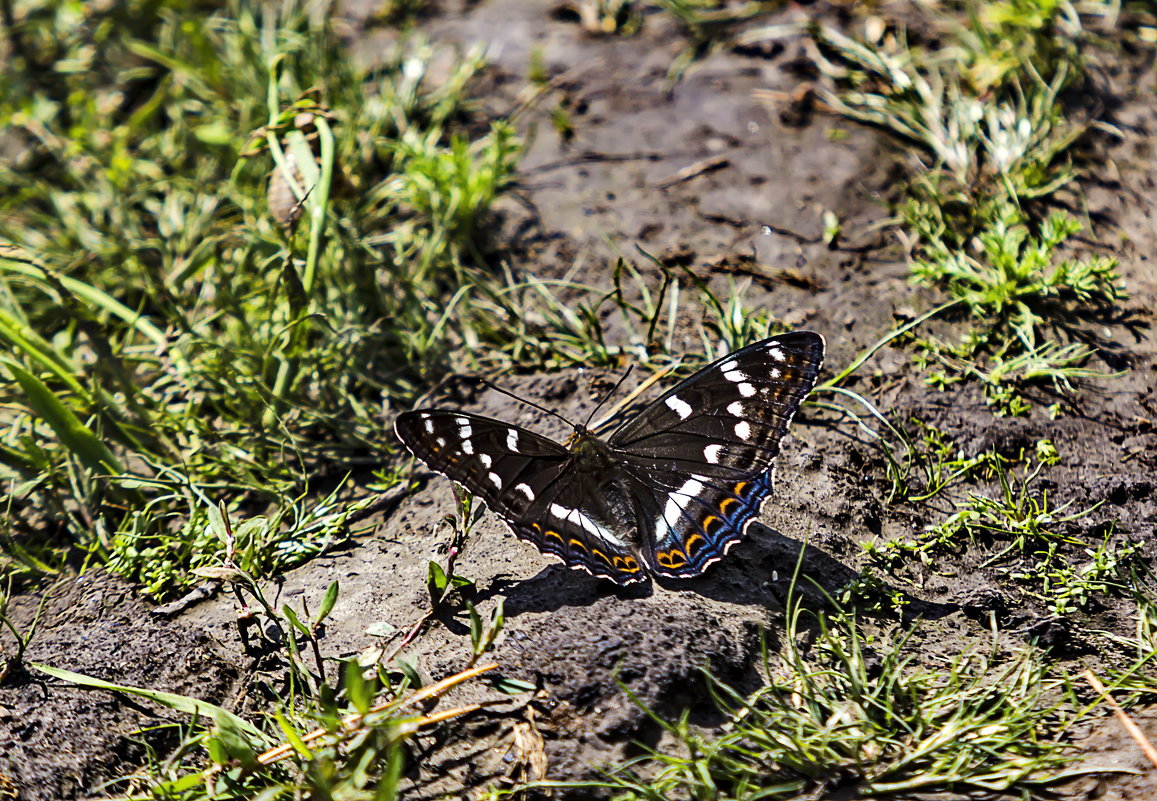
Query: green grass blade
{"type": "Point", "coordinates": [73, 434]}
{"type": "Point", "coordinates": [91, 295]}
{"type": "Point", "coordinates": [180, 703]}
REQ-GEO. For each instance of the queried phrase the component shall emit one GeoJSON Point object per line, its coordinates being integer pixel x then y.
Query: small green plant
{"type": "Point", "coordinates": [1007, 379]}
{"type": "Point", "coordinates": [931, 463]}
{"type": "Point", "coordinates": [10, 661]}
{"type": "Point", "coordinates": [1016, 280]}
{"type": "Point", "coordinates": [990, 122]}
{"type": "Point", "coordinates": [339, 732]}
{"type": "Point", "coordinates": [1034, 538]}
{"type": "Point", "coordinates": [1140, 676]}
{"type": "Point", "coordinates": [1020, 295]}
{"type": "Point", "coordinates": [348, 742]}
{"type": "Point", "coordinates": [1067, 585]}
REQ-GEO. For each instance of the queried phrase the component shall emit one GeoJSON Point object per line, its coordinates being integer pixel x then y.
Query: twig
{"type": "Point", "coordinates": [386, 500]}
{"type": "Point", "coordinates": [633, 394]}
{"type": "Point", "coordinates": [692, 170]}
{"type": "Point", "coordinates": [1126, 721]}
{"type": "Point", "coordinates": [409, 636]}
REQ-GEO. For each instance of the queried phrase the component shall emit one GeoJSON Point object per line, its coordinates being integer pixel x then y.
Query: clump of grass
{"type": "Point", "coordinates": [1016, 279]}
{"type": "Point", "coordinates": [174, 342]}
{"type": "Point", "coordinates": [990, 120]}
{"type": "Point", "coordinates": [931, 464]}
{"type": "Point", "coordinates": [857, 714]}
{"type": "Point", "coordinates": [1140, 675]}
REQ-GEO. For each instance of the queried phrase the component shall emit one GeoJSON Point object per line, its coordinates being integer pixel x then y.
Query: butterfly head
{"type": "Point", "coordinates": [587, 447]}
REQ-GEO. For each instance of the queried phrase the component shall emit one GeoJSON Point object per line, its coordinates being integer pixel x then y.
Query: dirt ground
{"type": "Point", "coordinates": [566, 631]}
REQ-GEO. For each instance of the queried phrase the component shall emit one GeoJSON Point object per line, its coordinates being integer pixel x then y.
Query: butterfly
{"type": "Point", "coordinates": [668, 492]}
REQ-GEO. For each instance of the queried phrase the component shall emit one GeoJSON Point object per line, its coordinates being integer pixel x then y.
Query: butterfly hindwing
{"type": "Point", "coordinates": [577, 521]}
{"type": "Point", "coordinates": [530, 481]}
{"type": "Point", "coordinates": [695, 520]}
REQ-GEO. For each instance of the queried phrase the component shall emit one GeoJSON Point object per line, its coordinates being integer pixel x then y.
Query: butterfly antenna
{"type": "Point", "coordinates": [608, 396]}
{"type": "Point", "coordinates": [532, 404]}
{"type": "Point", "coordinates": [635, 393]}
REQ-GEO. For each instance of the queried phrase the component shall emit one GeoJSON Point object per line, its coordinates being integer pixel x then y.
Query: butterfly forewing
{"type": "Point", "coordinates": [676, 486]}
{"type": "Point", "coordinates": [531, 482]}
{"type": "Point", "coordinates": [732, 411]}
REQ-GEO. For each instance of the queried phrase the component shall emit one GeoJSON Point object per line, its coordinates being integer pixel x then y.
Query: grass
{"type": "Point", "coordinates": [171, 345]}
{"type": "Point", "coordinates": [1022, 297]}
{"type": "Point", "coordinates": [1037, 546]}
{"type": "Point", "coordinates": [841, 711]}
{"type": "Point", "coordinates": [229, 255]}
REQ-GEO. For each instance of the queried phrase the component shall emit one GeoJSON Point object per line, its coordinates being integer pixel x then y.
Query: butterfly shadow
{"type": "Point", "coordinates": [758, 572]}
{"type": "Point", "coordinates": [556, 587]}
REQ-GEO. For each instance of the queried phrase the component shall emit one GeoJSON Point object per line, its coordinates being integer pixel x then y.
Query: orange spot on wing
{"type": "Point", "coordinates": [691, 541]}
{"type": "Point", "coordinates": [723, 504]}
{"type": "Point", "coordinates": [672, 559]}
{"type": "Point", "coordinates": [578, 543]}
{"type": "Point", "coordinates": [554, 534]}
{"type": "Point", "coordinates": [627, 563]}
{"type": "Point", "coordinates": [709, 520]}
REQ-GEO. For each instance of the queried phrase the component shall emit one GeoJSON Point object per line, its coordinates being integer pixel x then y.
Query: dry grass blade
{"type": "Point", "coordinates": [1126, 721]}
{"type": "Point", "coordinates": [351, 722]}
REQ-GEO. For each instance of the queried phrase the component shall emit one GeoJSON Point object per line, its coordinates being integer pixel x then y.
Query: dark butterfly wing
{"type": "Point", "coordinates": [700, 458]}
{"type": "Point", "coordinates": [531, 482]}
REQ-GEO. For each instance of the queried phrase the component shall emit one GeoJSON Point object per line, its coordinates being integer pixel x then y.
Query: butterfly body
{"type": "Point", "coordinates": [668, 492]}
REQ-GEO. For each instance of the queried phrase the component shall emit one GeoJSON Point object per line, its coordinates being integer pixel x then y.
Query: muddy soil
{"type": "Point", "coordinates": [623, 180]}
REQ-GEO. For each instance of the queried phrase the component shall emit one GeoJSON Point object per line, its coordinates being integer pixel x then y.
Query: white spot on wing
{"type": "Point", "coordinates": [525, 490]}
{"type": "Point", "coordinates": [680, 407]}
{"type": "Point", "coordinates": [743, 430]}
{"type": "Point", "coordinates": [586, 524]}
{"type": "Point", "coordinates": [464, 429]}
{"type": "Point", "coordinates": [496, 479]}
{"type": "Point", "coordinates": [775, 353]}
{"type": "Point", "coordinates": [512, 440]}
{"type": "Point", "coordinates": [711, 453]}
{"type": "Point", "coordinates": [429, 424]}
{"type": "Point", "coordinates": [746, 390]}
{"type": "Point", "coordinates": [441, 442]}
{"type": "Point", "coordinates": [734, 374]}
{"type": "Point", "coordinates": [735, 409]}
{"type": "Point", "coordinates": [774, 372]}
{"type": "Point", "coordinates": [677, 501]}
{"type": "Point", "coordinates": [467, 447]}
{"type": "Point", "coordinates": [484, 458]}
